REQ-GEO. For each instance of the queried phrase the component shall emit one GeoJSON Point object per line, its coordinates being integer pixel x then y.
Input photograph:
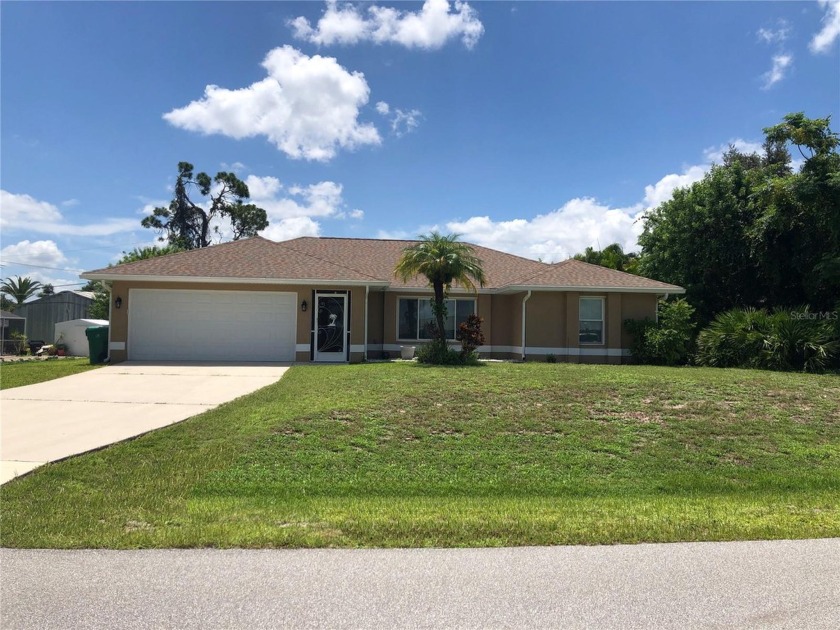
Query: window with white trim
{"type": "Point", "coordinates": [416, 320]}
{"type": "Point", "coordinates": [591, 315]}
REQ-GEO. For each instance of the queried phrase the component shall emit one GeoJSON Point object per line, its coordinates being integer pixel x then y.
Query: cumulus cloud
{"type": "Point", "coordinates": [663, 190]}
{"type": "Point", "coordinates": [38, 260]}
{"type": "Point", "coordinates": [830, 32]}
{"type": "Point", "coordinates": [42, 253]}
{"type": "Point", "coordinates": [24, 212]}
{"type": "Point", "coordinates": [430, 28]}
{"type": "Point", "coordinates": [556, 235]}
{"type": "Point", "coordinates": [295, 211]}
{"type": "Point", "coordinates": [579, 223]}
{"type": "Point", "coordinates": [295, 227]}
{"type": "Point", "coordinates": [781, 64]}
{"type": "Point", "coordinates": [308, 107]}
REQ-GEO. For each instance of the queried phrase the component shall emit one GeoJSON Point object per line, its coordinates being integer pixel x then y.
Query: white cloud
{"type": "Point", "coordinates": [295, 227]}
{"type": "Point", "coordinates": [775, 36]}
{"type": "Point", "coordinates": [316, 200]}
{"type": "Point", "coordinates": [236, 167]}
{"type": "Point", "coordinates": [559, 234]}
{"type": "Point", "coordinates": [23, 212]}
{"type": "Point", "coordinates": [401, 122]}
{"type": "Point", "coordinates": [405, 122]}
{"type": "Point", "coordinates": [430, 28]}
{"type": "Point", "coordinates": [70, 203]}
{"type": "Point", "coordinates": [715, 154]}
{"type": "Point", "coordinates": [308, 107]}
{"type": "Point", "coordinates": [38, 260]}
{"type": "Point", "coordinates": [42, 253]}
{"type": "Point", "coordinates": [357, 214]}
{"type": "Point", "coordinates": [663, 190]}
{"type": "Point", "coordinates": [577, 224]}
{"type": "Point", "coordinates": [822, 41]}
{"type": "Point", "coordinates": [781, 64]}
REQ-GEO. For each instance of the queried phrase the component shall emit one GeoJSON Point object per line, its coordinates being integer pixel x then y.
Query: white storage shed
{"type": "Point", "coordinates": [72, 333]}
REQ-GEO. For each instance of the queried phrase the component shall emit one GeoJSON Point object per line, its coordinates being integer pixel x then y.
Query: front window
{"type": "Point", "coordinates": [417, 320]}
{"type": "Point", "coordinates": [591, 320]}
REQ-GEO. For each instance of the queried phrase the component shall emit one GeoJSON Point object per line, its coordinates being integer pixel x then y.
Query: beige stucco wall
{"type": "Point", "coordinates": [119, 317]}
{"type": "Point", "coordinates": [552, 319]}
{"type": "Point", "coordinates": [636, 306]}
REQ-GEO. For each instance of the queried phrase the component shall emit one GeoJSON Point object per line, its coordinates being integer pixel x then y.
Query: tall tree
{"type": "Point", "coordinates": [444, 260]}
{"type": "Point", "coordinates": [46, 290]}
{"type": "Point", "coordinates": [20, 289]}
{"type": "Point", "coordinates": [612, 256]}
{"type": "Point", "coordinates": [752, 232]}
{"type": "Point", "coordinates": [188, 224]}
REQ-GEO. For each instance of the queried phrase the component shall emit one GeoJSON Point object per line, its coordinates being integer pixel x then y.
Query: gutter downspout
{"type": "Point", "coordinates": [367, 293]}
{"type": "Point", "coordinates": [524, 300]}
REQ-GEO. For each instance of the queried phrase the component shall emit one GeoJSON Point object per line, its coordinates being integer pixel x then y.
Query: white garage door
{"type": "Point", "coordinates": [168, 325]}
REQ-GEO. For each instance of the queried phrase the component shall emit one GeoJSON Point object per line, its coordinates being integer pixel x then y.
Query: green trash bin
{"type": "Point", "coordinates": [97, 343]}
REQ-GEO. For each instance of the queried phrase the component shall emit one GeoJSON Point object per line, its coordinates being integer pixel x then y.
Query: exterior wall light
{"type": "Point", "coordinates": [303, 306]}
{"type": "Point", "coordinates": [118, 302]}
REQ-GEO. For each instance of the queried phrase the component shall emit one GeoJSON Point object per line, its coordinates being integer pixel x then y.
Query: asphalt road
{"type": "Point", "coordinates": [781, 584]}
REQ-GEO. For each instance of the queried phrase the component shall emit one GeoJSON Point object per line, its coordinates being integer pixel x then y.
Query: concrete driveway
{"type": "Point", "coordinates": [50, 421]}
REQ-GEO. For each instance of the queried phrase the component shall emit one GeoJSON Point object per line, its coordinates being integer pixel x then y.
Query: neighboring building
{"type": "Point", "coordinates": [11, 323]}
{"type": "Point", "coordinates": [44, 313]}
{"type": "Point", "coordinates": [337, 299]}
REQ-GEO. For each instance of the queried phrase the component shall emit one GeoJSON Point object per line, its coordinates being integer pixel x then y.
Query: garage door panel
{"type": "Point", "coordinates": [197, 325]}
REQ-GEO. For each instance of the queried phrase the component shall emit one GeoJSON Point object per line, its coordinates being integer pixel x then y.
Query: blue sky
{"type": "Point", "coordinates": [537, 128]}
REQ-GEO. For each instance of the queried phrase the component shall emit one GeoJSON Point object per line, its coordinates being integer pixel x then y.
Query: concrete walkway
{"type": "Point", "coordinates": [67, 416]}
{"type": "Point", "coordinates": [777, 584]}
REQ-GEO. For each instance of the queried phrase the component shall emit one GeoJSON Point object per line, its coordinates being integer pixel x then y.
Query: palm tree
{"type": "Point", "coordinates": [21, 289]}
{"type": "Point", "coordinates": [443, 260]}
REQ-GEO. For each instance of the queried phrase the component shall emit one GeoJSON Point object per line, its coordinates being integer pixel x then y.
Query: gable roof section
{"type": "Point", "coordinates": [254, 259]}
{"type": "Point", "coordinates": [575, 274]}
{"type": "Point", "coordinates": [362, 261]}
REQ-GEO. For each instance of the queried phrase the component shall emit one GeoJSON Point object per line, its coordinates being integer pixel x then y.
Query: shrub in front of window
{"type": "Point", "coordinates": [470, 335]}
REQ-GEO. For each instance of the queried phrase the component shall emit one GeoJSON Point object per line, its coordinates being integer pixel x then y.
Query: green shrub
{"type": "Point", "coordinates": [795, 339]}
{"type": "Point", "coordinates": [668, 341]}
{"type": "Point", "coordinates": [438, 352]}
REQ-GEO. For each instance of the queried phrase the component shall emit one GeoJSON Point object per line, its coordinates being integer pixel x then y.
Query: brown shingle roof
{"type": "Point", "coordinates": [378, 257]}
{"type": "Point", "coordinates": [362, 261]}
{"type": "Point", "coordinates": [578, 274]}
{"type": "Point", "coordinates": [252, 258]}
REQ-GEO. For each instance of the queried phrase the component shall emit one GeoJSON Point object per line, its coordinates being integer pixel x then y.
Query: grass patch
{"type": "Point", "coordinates": [20, 373]}
{"type": "Point", "coordinates": [397, 455]}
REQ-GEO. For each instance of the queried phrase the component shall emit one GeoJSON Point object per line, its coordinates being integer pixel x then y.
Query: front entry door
{"type": "Point", "coordinates": [331, 327]}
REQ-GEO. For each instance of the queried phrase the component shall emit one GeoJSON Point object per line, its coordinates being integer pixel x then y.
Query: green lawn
{"type": "Point", "coordinates": [504, 454]}
{"type": "Point", "coordinates": [19, 373]}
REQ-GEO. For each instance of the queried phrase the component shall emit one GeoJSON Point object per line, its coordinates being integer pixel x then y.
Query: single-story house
{"type": "Point", "coordinates": [337, 299]}
{"type": "Point", "coordinates": [44, 313]}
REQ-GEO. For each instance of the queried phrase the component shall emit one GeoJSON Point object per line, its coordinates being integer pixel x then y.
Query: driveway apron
{"type": "Point", "coordinates": [49, 421]}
